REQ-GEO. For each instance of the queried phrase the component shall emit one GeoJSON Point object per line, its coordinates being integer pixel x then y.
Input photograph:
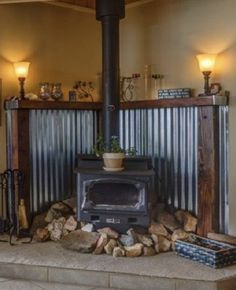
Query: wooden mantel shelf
{"type": "Point", "coordinates": [144, 104]}
{"type": "Point", "coordinates": [51, 105]}
{"type": "Point", "coordinates": [178, 102]}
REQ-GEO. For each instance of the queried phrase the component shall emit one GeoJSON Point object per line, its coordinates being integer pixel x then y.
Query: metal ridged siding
{"type": "Point", "coordinates": [56, 137]}
{"type": "Point", "coordinates": [170, 137]}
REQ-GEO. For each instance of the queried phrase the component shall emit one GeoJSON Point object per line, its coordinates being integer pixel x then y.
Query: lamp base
{"type": "Point", "coordinates": [22, 90]}
{"type": "Point", "coordinates": [206, 82]}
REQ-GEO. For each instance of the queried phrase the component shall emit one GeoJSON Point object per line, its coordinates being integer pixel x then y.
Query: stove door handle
{"type": "Point", "coordinates": [111, 108]}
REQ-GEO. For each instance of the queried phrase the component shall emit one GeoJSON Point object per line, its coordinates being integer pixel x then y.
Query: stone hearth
{"type": "Point", "coordinates": [167, 271]}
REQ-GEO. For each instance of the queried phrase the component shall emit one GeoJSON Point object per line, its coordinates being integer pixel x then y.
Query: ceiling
{"type": "Point", "coordinates": [90, 3]}
{"type": "Point", "coordinates": [82, 3]}
{"type": "Point", "coordinates": [79, 5]}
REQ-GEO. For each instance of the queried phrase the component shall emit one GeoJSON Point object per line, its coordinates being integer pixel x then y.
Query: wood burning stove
{"type": "Point", "coordinates": [116, 199]}
{"type": "Point", "coordinates": [119, 199]}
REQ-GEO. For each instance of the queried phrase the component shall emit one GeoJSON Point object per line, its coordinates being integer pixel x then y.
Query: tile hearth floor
{"type": "Point", "coordinates": [49, 262]}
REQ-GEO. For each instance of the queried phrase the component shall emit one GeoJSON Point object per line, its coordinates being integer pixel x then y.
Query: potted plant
{"type": "Point", "coordinates": [113, 158]}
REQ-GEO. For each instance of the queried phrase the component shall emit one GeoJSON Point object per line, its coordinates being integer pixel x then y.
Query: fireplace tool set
{"type": "Point", "coordinates": [12, 215]}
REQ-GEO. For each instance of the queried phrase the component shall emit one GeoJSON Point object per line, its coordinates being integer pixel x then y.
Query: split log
{"type": "Point", "coordinates": [41, 235]}
{"type": "Point", "coordinates": [169, 221]}
{"type": "Point", "coordinates": [101, 243]}
{"type": "Point", "coordinates": [118, 252]}
{"type": "Point", "coordinates": [58, 210]}
{"type": "Point", "coordinates": [71, 224]}
{"type": "Point", "coordinates": [186, 219]}
{"type": "Point", "coordinates": [110, 233]}
{"type": "Point", "coordinates": [164, 244]}
{"type": "Point", "coordinates": [145, 240]}
{"type": "Point", "coordinates": [38, 222]}
{"type": "Point", "coordinates": [158, 229]}
{"type": "Point", "coordinates": [110, 246]}
{"type": "Point", "coordinates": [148, 251]}
{"type": "Point", "coordinates": [179, 234]}
{"type": "Point", "coordinates": [134, 251]}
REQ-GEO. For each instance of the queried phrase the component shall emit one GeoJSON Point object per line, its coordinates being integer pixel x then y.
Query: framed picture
{"type": "Point", "coordinates": [215, 88]}
{"type": "Point", "coordinates": [174, 93]}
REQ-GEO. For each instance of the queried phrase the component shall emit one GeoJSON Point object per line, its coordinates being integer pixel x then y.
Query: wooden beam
{"type": "Point", "coordinates": [51, 105]}
{"type": "Point", "coordinates": [89, 5]}
{"type": "Point", "coordinates": [20, 1]}
{"type": "Point", "coordinates": [148, 104]}
{"type": "Point", "coordinates": [71, 6]}
{"type": "Point", "coordinates": [208, 170]}
{"type": "Point", "coordinates": [174, 103]}
{"type": "Point", "coordinates": [19, 157]}
{"type": "Point", "coordinates": [222, 238]}
{"type": "Point", "coordinates": [133, 4]}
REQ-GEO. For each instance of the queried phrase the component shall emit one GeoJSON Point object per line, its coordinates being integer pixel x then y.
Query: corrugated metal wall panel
{"type": "Point", "coordinates": [169, 136]}
{"type": "Point", "coordinates": [56, 137]}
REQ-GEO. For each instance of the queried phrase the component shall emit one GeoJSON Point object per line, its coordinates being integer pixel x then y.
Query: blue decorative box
{"type": "Point", "coordinates": [209, 252]}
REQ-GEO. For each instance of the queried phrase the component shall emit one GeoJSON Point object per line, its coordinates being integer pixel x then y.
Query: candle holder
{"type": "Point", "coordinates": [128, 87]}
{"type": "Point", "coordinates": [85, 89]}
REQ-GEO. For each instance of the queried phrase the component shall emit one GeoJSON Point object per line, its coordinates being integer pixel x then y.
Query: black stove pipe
{"type": "Point", "coordinates": [109, 12]}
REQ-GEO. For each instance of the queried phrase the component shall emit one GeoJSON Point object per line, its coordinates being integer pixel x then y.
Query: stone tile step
{"type": "Point", "coordinates": [58, 278]}
{"type": "Point", "coordinates": [8, 284]}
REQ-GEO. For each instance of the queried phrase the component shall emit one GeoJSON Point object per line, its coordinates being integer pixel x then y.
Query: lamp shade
{"type": "Point", "coordinates": [206, 62]}
{"type": "Point", "coordinates": [21, 69]}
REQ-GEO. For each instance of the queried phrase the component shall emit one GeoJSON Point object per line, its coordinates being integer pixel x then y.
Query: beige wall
{"type": "Point", "coordinates": [133, 53]}
{"type": "Point", "coordinates": [175, 31]}
{"type": "Point", "coordinates": [64, 45]}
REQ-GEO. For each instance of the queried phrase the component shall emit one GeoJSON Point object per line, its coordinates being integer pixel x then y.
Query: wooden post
{"type": "Point", "coordinates": [19, 156]}
{"type": "Point", "coordinates": [208, 170]}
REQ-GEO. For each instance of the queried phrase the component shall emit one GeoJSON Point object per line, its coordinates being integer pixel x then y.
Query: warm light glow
{"type": "Point", "coordinates": [21, 69]}
{"type": "Point", "coordinates": [206, 62]}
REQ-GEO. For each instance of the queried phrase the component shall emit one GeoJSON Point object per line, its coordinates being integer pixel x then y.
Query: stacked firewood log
{"type": "Point", "coordinates": [59, 224]}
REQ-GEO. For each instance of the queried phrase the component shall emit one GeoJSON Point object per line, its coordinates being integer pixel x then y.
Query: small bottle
{"type": "Point", "coordinates": [73, 93]}
{"type": "Point", "coordinates": [23, 222]}
{"type": "Point", "coordinates": [44, 91]}
{"type": "Point", "coordinates": [56, 91]}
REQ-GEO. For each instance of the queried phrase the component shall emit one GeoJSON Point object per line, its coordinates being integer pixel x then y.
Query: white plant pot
{"type": "Point", "coordinates": [113, 161]}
